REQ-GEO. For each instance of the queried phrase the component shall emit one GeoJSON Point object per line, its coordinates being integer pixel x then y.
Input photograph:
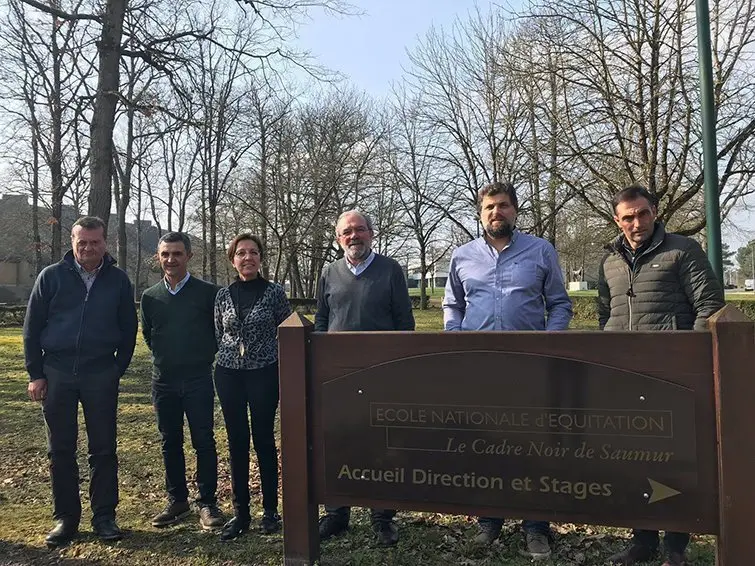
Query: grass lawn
{"type": "Point", "coordinates": [427, 539]}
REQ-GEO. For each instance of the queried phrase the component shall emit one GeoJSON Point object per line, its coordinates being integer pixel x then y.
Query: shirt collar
{"type": "Point", "coordinates": [180, 284]}
{"type": "Point", "coordinates": [362, 265]}
{"type": "Point", "coordinates": [83, 270]}
{"type": "Point", "coordinates": [514, 238]}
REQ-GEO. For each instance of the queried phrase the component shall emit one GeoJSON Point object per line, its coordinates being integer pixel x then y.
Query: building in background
{"type": "Point", "coordinates": [18, 255]}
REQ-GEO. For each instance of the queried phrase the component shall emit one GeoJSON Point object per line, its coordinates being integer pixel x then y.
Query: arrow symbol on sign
{"type": "Point", "coordinates": [660, 491]}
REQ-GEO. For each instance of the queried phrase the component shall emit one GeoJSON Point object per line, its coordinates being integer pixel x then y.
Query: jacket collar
{"type": "Point", "coordinates": [70, 261]}
{"type": "Point", "coordinates": [616, 245]}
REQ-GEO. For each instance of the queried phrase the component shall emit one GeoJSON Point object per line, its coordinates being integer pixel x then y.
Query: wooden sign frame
{"type": "Point", "coordinates": [713, 371]}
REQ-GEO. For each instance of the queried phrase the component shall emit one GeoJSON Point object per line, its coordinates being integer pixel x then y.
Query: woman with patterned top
{"type": "Point", "coordinates": [247, 315]}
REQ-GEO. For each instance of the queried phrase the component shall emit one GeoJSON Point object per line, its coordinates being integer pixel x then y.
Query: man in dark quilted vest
{"type": "Point", "coordinates": [653, 280]}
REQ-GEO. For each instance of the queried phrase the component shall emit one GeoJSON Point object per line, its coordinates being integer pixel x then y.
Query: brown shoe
{"type": "Point", "coordinates": [633, 554]}
{"type": "Point", "coordinates": [210, 517]}
{"type": "Point", "coordinates": [172, 514]}
{"type": "Point", "coordinates": [675, 559]}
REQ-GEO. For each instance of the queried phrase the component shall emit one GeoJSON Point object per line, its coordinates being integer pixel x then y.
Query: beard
{"type": "Point", "coordinates": [504, 230]}
{"type": "Point", "coordinates": [357, 252]}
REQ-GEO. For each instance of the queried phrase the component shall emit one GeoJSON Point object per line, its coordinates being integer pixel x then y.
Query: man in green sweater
{"type": "Point", "coordinates": [179, 329]}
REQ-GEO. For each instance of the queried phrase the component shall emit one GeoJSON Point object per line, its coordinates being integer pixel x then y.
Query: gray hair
{"type": "Point", "coordinates": [367, 219]}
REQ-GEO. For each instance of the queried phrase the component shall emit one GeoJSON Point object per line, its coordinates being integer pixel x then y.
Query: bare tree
{"type": "Point", "coordinates": [421, 192]}
{"type": "Point", "coordinates": [632, 106]}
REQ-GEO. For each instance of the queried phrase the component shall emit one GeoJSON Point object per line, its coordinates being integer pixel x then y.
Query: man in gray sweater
{"type": "Point", "coordinates": [363, 291]}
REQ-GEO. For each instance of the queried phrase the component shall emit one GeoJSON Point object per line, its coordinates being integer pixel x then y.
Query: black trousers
{"type": "Point", "coordinates": [250, 396]}
{"type": "Point", "coordinates": [376, 515]}
{"type": "Point", "coordinates": [675, 542]}
{"type": "Point", "coordinates": [98, 395]}
{"type": "Point", "coordinates": [194, 396]}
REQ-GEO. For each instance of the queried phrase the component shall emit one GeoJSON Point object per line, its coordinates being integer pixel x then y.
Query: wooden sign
{"type": "Point", "coordinates": [519, 432]}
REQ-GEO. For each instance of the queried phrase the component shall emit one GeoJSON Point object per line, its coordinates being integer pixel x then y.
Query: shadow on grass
{"type": "Point", "coordinates": [23, 555]}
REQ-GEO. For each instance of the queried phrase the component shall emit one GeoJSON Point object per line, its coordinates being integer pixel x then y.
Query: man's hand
{"type": "Point", "coordinates": [37, 389]}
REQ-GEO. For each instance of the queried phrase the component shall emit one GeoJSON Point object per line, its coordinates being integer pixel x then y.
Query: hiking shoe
{"type": "Point", "coordinates": [173, 512]}
{"type": "Point", "coordinates": [633, 554]}
{"type": "Point", "coordinates": [270, 523]}
{"type": "Point", "coordinates": [489, 532]}
{"type": "Point", "coordinates": [332, 525]}
{"type": "Point", "coordinates": [386, 531]}
{"type": "Point", "coordinates": [210, 517]}
{"type": "Point", "coordinates": [538, 546]}
{"type": "Point", "coordinates": [234, 529]}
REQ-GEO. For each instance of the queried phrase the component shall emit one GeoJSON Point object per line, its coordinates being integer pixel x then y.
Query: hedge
{"type": "Point", "coordinates": [586, 308]}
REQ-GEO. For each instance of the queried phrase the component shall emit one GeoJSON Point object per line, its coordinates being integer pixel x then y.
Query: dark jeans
{"type": "Point", "coordinates": [538, 527]}
{"type": "Point", "coordinates": [674, 542]}
{"type": "Point", "coordinates": [376, 515]}
{"type": "Point", "coordinates": [194, 396]}
{"type": "Point", "coordinates": [98, 394]}
{"type": "Point", "coordinates": [245, 395]}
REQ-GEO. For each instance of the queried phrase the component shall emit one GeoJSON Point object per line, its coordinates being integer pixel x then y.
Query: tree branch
{"type": "Point", "coordinates": [60, 13]}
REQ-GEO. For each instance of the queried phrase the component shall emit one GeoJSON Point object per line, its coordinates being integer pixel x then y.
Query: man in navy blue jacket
{"type": "Point", "coordinates": [79, 336]}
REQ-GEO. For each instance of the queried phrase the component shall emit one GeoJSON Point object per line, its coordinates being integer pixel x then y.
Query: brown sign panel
{"type": "Point", "coordinates": [516, 431]}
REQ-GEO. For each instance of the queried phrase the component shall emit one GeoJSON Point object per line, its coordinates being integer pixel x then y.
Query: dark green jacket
{"type": "Point", "coordinates": [670, 286]}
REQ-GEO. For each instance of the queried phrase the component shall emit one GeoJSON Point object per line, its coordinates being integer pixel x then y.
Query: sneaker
{"type": "Point", "coordinates": [174, 512]}
{"type": "Point", "coordinates": [489, 532]}
{"type": "Point", "coordinates": [538, 546]}
{"type": "Point", "coordinates": [633, 554]}
{"type": "Point", "coordinates": [675, 559]}
{"type": "Point", "coordinates": [332, 525]}
{"type": "Point", "coordinates": [210, 517]}
{"type": "Point", "coordinates": [386, 531]}
{"type": "Point", "coordinates": [270, 523]}
{"type": "Point", "coordinates": [234, 529]}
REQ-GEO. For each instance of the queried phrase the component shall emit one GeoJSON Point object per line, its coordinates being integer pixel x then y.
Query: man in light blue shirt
{"type": "Point", "coordinates": [506, 280]}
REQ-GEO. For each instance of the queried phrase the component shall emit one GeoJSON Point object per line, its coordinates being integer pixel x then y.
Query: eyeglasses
{"type": "Point", "coordinates": [244, 253]}
{"type": "Point", "coordinates": [346, 232]}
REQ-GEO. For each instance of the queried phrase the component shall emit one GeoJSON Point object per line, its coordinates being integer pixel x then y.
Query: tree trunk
{"type": "Point", "coordinates": [103, 117]}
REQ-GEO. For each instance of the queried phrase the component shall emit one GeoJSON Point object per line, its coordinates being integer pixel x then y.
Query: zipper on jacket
{"type": "Point", "coordinates": [81, 326]}
{"type": "Point", "coordinates": [630, 296]}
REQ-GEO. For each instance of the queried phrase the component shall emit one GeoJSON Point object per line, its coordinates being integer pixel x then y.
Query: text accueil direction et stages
{"type": "Point", "coordinates": [580, 490]}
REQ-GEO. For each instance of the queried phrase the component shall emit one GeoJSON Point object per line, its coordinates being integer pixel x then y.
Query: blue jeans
{"type": "Point", "coordinates": [534, 527]}
{"type": "Point", "coordinates": [173, 396]}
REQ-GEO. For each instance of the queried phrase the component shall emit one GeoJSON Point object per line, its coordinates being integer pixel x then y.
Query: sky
{"type": "Point", "coordinates": [370, 49]}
